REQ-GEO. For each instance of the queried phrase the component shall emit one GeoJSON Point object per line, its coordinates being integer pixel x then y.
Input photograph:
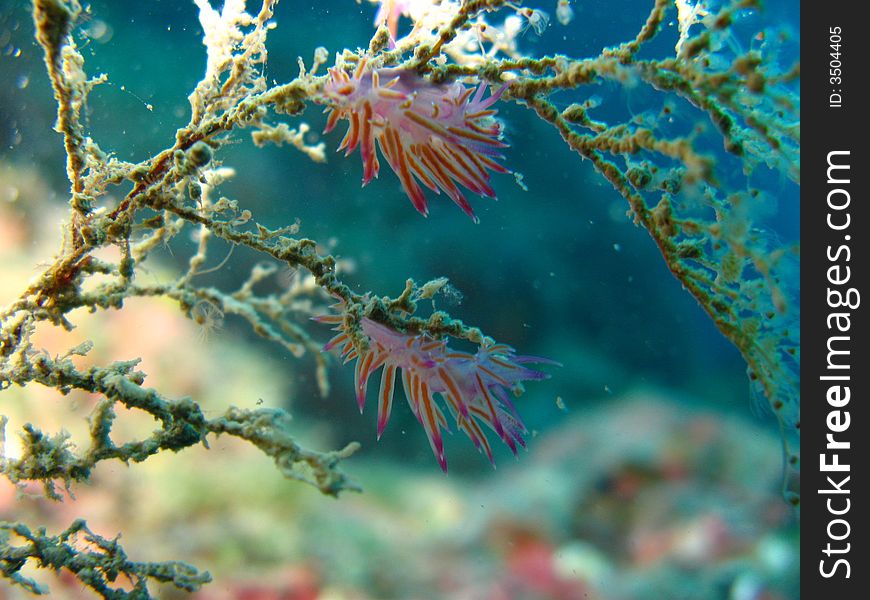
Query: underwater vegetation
{"type": "Point", "coordinates": [426, 101]}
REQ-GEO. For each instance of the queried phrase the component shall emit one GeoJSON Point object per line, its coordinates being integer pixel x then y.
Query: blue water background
{"type": "Point", "coordinates": [558, 270]}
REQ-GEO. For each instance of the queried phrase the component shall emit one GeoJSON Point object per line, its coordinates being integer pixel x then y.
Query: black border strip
{"type": "Point", "coordinates": [834, 263]}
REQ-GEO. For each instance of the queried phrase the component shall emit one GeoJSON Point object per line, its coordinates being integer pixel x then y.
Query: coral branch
{"type": "Point", "coordinates": [182, 424]}
{"type": "Point", "coordinates": [98, 563]}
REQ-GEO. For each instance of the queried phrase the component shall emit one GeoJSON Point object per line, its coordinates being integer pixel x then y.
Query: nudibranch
{"type": "Point", "coordinates": [440, 135]}
{"type": "Point", "coordinates": [474, 388]}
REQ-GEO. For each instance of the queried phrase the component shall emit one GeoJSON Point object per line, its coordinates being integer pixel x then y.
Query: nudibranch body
{"type": "Point", "coordinates": [475, 389]}
{"type": "Point", "coordinates": [441, 135]}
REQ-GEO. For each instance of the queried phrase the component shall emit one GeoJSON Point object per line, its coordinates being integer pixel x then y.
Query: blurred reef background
{"type": "Point", "coordinates": [651, 471]}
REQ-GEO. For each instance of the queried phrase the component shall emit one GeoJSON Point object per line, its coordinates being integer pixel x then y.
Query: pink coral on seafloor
{"type": "Point", "coordinates": [475, 388]}
{"type": "Point", "coordinates": [439, 135]}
